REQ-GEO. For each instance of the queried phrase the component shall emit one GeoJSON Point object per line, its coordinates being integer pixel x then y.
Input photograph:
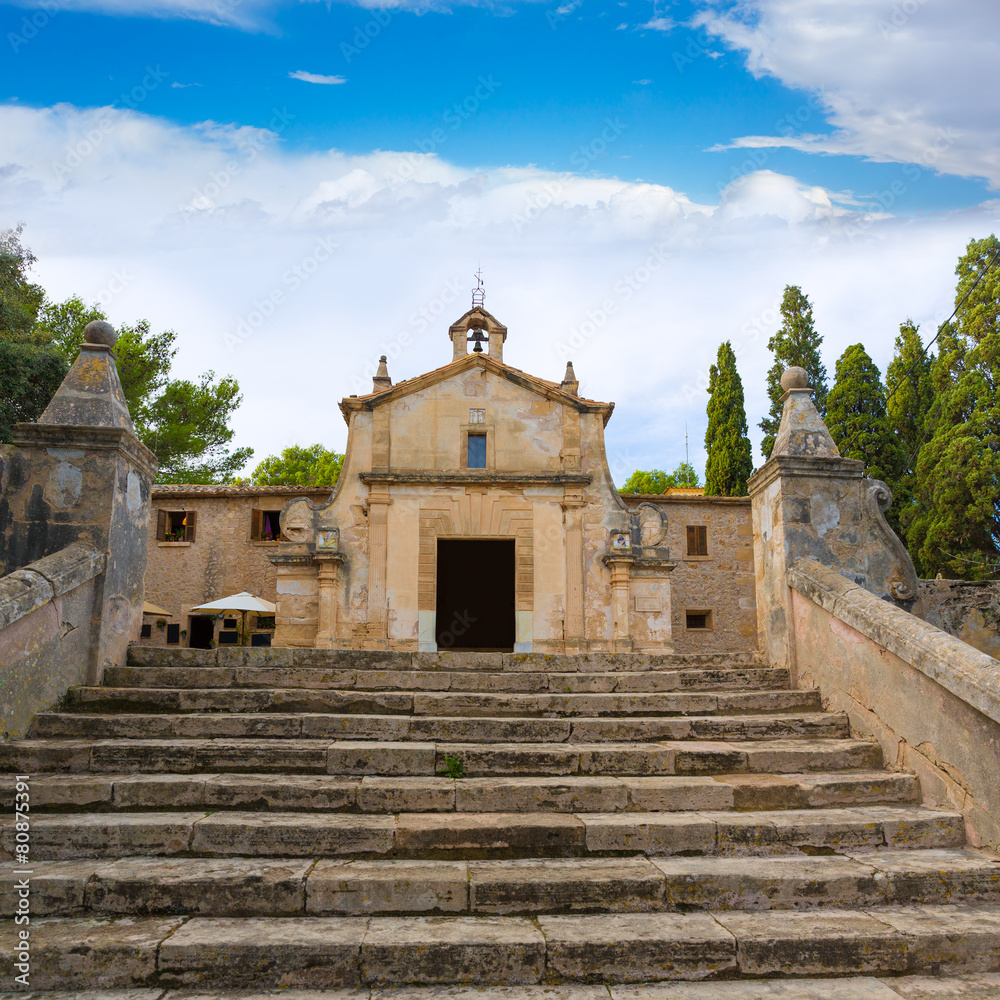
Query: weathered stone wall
{"type": "Point", "coordinates": [723, 581]}
{"type": "Point", "coordinates": [931, 701]}
{"type": "Point", "coordinates": [223, 558]}
{"type": "Point", "coordinates": [967, 609]}
{"type": "Point", "coordinates": [47, 630]}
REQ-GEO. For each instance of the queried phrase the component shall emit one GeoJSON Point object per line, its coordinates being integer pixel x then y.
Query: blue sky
{"type": "Point", "coordinates": [850, 147]}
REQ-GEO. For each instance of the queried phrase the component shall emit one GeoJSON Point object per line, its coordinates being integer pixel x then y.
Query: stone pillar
{"type": "Point", "coordinates": [297, 620]}
{"type": "Point", "coordinates": [81, 475]}
{"type": "Point", "coordinates": [497, 338]}
{"type": "Point", "coordinates": [574, 630]}
{"type": "Point", "coordinates": [808, 501]}
{"type": "Point", "coordinates": [378, 541]}
{"type": "Point", "coordinates": [326, 637]}
{"type": "Point", "coordinates": [620, 572]}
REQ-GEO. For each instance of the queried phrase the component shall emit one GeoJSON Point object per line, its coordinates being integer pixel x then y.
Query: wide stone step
{"type": "Point", "coordinates": [415, 758]}
{"type": "Point", "coordinates": [373, 794]}
{"type": "Point", "coordinates": [272, 887]}
{"type": "Point", "coordinates": [621, 682]}
{"type": "Point", "coordinates": [436, 703]}
{"type": "Point", "coordinates": [328, 952]}
{"type": "Point", "coordinates": [355, 659]}
{"type": "Point", "coordinates": [491, 835]}
{"type": "Point", "coordinates": [331, 726]}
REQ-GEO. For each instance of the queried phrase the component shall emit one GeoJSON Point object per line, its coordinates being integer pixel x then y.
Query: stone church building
{"type": "Point", "coordinates": [476, 510]}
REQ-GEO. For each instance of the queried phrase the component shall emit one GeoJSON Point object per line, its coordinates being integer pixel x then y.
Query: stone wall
{"type": "Point", "coordinates": [963, 608]}
{"type": "Point", "coordinates": [722, 582]}
{"type": "Point", "coordinates": [931, 700]}
{"type": "Point", "coordinates": [47, 612]}
{"type": "Point", "coordinates": [222, 559]}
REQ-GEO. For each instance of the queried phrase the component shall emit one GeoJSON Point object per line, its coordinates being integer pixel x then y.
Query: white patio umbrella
{"type": "Point", "coordinates": [242, 602]}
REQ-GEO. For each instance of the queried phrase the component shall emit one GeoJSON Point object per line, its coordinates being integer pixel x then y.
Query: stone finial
{"type": "Point", "coordinates": [100, 332]}
{"type": "Point", "coordinates": [570, 382]}
{"type": "Point", "coordinates": [801, 432]}
{"type": "Point", "coordinates": [795, 378]}
{"type": "Point", "coordinates": [91, 393]}
{"type": "Point", "coordinates": [381, 382]}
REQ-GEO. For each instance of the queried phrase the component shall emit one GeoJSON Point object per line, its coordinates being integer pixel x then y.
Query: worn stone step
{"type": "Point", "coordinates": [414, 757]}
{"type": "Point", "coordinates": [437, 704]}
{"type": "Point", "coordinates": [336, 952]}
{"type": "Point", "coordinates": [636, 681]}
{"type": "Point", "coordinates": [66, 836]}
{"type": "Point", "coordinates": [355, 659]}
{"type": "Point", "coordinates": [271, 887]}
{"type": "Point", "coordinates": [276, 725]}
{"type": "Point", "coordinates": [571, 793]}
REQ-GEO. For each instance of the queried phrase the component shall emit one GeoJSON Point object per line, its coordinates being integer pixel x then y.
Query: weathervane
{"type": "Point", "coordinates": [479, 292]}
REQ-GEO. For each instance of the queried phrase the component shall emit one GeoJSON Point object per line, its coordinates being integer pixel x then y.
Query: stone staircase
{"type": "Point", "coordinates": [314, 819]}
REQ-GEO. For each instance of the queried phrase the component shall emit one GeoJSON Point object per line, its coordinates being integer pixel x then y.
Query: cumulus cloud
{"type": "Point", "coordinates": [296, 270]}
{"type": "Point", "coordinates": [301, 74]}
{"type": "Point", "coordinates": [912, 82]}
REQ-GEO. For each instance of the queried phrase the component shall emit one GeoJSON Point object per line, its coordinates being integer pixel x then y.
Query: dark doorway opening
{"type": "Point", "coordinates": [475, 594]}
{"type": "Point", "coordinates": [202, 631]}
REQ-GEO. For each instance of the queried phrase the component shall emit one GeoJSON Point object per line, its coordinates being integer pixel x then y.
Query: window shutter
{"type": "Point", "coordinates": [191, 517]}
{"type": "Point", "coordinates": [161, 525]}
{"type": "Point", "coordinates": [692, 533]}
{"type": "Point", "coordinates": [255, 524]}
{"type": "Point", "coordinates": [702, 540]}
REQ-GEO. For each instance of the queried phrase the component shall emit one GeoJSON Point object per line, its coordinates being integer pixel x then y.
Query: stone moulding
{"type": "Point", "coordinates": [27, 589]}
{"type": "Point", "coordinates": [88, 438]}
{"type": "Point", "coordinates": [477, 478]}
{"type": "Point", "coordinates": [899, 573]}
{"type": "Point", "coordinates": [958, 667]}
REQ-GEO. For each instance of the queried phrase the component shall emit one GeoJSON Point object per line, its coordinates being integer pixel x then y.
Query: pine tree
{"type": "Point", "coordinates": [856, 417]}
{"type": "Point", "coordinates": [909, 397]}
{"type": "Point", "coordinates": [953, 526]}
{"type": "Point", "coordinates": [729, 464]}
{"type": "Point", "coordinates": [795, 344]}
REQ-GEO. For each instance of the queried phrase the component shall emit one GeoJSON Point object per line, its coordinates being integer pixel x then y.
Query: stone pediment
{"type": "Point", "coordinates": [473, 362]}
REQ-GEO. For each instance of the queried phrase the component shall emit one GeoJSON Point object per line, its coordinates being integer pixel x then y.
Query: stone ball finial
{"type": "Point", "coordinates": [795, 378]}
{"type": "Point", "coordinates": [100, 331]}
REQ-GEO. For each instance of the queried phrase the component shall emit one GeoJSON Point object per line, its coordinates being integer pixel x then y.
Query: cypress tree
{"type": "Point", "coordinates": [857, 419]}
{"type": "Point", "coordinates": [909, 396]}
{"type": "Point", "coordinates": [729, 462]}
{"type": "Point", "coordinates": [796, 343]}
{"type": "Point", "coordinates": [954, 525]}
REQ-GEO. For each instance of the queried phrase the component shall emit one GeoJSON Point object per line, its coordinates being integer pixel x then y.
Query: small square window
{"type": "Point", "coordinates": [265, 525]}
{"type": "Point", "coordinates": [173, 635]}
{"type": "Point", "coordinates": [229, 638]}
{"type": "Point", "coordinates": [175, 525]}
{"type": "Point", "coordinates": [147, 631]}
{"type": "Point", "coordinates": [477, 416]}
{"type": "Point", "coordinates": [697, 540]}
{"type": "Point", "coordinates": [698, 621]}
{"type": "Point", "coordinates": [477, 451]}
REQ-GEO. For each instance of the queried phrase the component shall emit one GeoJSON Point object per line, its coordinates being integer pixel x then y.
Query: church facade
{"type": "Point", "coordinates": [476, 510]}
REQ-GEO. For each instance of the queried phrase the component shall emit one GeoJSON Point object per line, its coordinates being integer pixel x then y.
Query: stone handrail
{"type": "Point", "coordinates": [25, 590]}
{"type": "Point", "coordinates": [955, 665]}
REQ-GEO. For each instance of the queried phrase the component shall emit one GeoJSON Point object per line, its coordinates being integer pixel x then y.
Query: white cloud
{"type": "Point", "coordinates": [911, 82]}
{"type": "Point", "coordinates": [327, 260]}
{"type": "Point", "coordinates": [181, 86]}
{"type": "Point", "coordinates": [301, 74]}
{"type": "Point", "coordinates": [660, 24]}
{"type": "Point", "coordinates": [643, 83]}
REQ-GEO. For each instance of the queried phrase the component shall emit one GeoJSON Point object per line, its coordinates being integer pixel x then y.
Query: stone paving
{"type": "Point", "coordinates": [623, 827]}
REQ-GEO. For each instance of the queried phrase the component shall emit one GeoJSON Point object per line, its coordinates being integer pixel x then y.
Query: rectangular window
{"type": "Point", "coordinates": [697, 540]}
{"type": "Point", "coordinates": [229, 623]}
{"type": "Point", "coordinates": [264, 525]}
{"type": "Point", "coordinates": [477, 451]}
{"type": "Point", "coordinates": [175, 525]}
{"type": "Point", "coordinates": [477, 416]}
{"type": "Point", "coordinates": [147, 631]}
{"type": "Point", "coordinates": [698, 621]}
{"type": "Point", "coordinates": [229, 638]}
{"type": "Point", "coordinates": [173, 635]}
{"type": "Point", "coordinates": [260, 639]}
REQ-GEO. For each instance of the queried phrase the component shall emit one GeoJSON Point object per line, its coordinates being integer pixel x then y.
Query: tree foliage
{"type": "Point", "coordinates": [28, 378]}
{"type": "Point", "coordinates": [796, 343]}
{"type": "Point", "coordinates": [729, 464]}
{"type": "Point", "coordinates": [857, 419]}
{"type": "Point", "coordinates": [299, 466]}
{"type": "Point", "coordinates": [953, 527]}
{"type": "Point", "coordinates": [658, 481]}
{"type": "Point", "coordinates": [909, 397]}
{"type": "Point", "coordinates": [20, 299]}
